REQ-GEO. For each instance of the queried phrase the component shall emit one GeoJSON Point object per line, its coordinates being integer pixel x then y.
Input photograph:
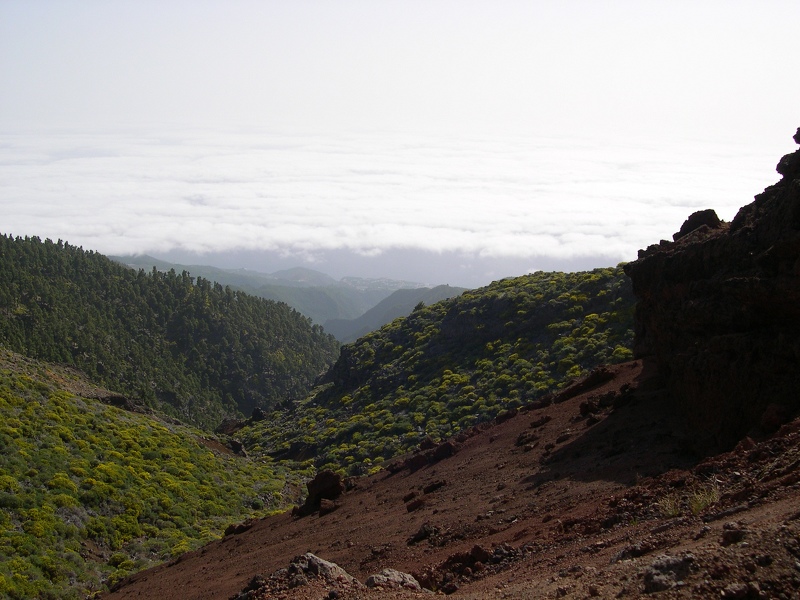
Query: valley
{"type": "Point", "coordinates": [622, 432]}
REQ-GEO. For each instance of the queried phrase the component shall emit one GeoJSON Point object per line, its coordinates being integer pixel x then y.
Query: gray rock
{"type": "Point", "coordinates": [311, 564]}
{"type": "Point", "coordinates": [390, 578]}
{"type": "Point", "coordinates": [665, 572]}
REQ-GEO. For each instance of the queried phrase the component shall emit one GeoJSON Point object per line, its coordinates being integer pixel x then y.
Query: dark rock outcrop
{"type": "Point", "coordinates": [427, 457]}
{"type": "Point", "coordinates": [239, 528]}
{"type": "Point", "coordinates": [720, 310]}
{"type": "Point", "coordinates": [229, 426]}
{"type": "Point", "coordinates": [237, 447]}
{"type": "Point", "coordinates": [701, 218]}
{"type": "Point", "coordinates": [327, 486]}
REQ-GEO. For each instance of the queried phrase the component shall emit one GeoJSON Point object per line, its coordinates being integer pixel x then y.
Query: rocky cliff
{"type": "Point", "coordinates": [719, 307]}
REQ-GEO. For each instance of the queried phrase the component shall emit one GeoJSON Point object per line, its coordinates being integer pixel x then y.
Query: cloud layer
{"type": "Point", "coordinates": [470, 90]}
{"type": "Point", "coordinates": [521, 198]}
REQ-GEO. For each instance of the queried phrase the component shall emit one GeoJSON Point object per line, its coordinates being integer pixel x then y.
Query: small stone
{"type": "Point", "coordinates": [450, 587]}
{"type": "Point", "coordinates": [763, 560]}
{"type": "Point", "coordinates": [423, 533]}
{"type": "Point", "coordinates": [415, 504]}
{"type": "Point", "coordinates": [563, 437]}
{"type": "Point", "coordinates": [735, 590]}
{"type": "Point", "coordinates": [732, 533]}
{"type": "Point", "coordinates": [705, 530]}
{"type": "Point", "coordinates": [433, 486]}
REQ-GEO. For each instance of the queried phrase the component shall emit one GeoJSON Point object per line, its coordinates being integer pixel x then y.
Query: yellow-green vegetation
{"type": "Point", "coordinates": [90, 493]}
{"type": "Point", "coordinates": [703, 496]}
{"type": "Point", "coordinates": [454, 364]}
{"type": "Point", "coordinates": [669, 506]}
{"type": "Point", "coordinates": [185, 346]}
{"type": "Point", "coordinates": [699, 498]}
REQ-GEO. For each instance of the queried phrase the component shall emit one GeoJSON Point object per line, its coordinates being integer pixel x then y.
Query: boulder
{"type": "Point", "coordinates": [328, 486]}
{"type": "Point", "coordinates": [392, 579]}
{"type": "Point", "coordinates": [332, 573]}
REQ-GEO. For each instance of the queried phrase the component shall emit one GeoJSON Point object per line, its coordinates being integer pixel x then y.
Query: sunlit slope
{"type": "Point", "coordinates": [89, 492]}
{"type": "Point", "coordinates": [453, 364]}
{"type": "Point", "coordinates": [188, 347]}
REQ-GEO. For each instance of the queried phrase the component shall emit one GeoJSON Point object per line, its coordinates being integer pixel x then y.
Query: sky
{"type": "Point", "coordinates": [436, 141]}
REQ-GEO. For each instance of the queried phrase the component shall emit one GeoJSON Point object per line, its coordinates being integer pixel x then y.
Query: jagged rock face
{"type": "Point", "coordinates": [720, 309]}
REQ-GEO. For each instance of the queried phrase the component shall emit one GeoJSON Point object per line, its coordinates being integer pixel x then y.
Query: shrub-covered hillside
{"type": "Point", "coordinates": [90, 493]}
{"type": "Point", "coordinates": [453, 364]}
{"type": "Point", "coordinates": [188, 347]}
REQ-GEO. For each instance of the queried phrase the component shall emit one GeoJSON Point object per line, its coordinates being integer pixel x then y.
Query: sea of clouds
{"type": "Point", "coordinates": [523, 198]}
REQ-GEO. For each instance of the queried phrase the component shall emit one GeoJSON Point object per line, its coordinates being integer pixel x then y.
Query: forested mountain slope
{"type": "Point", "coordinates": [453, 364]}
{"type": "Point", "coordinates": [90, 493]}
{"type": "Point", "coordinates": [187, 347]}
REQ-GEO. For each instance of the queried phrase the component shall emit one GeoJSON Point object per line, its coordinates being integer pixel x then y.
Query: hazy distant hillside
{"type": "Point", "coordinates": [399, 304]}
{"type": "Point", "coordinates": [189, 347]}
{"type": "Point", "coordinates": [323, 303]}
{"type": "Point", "coordinates": [453, 364]}
{"type": "Point", "coordinates": [302, 277]}
{"type": "Point", "coordinates": [89, 492]}
{"type": "Point", "coordinates": [314, 294]}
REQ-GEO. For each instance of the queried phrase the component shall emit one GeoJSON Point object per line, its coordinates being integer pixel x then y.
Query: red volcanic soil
{"type": "Point", "coordinates": [593, 495]}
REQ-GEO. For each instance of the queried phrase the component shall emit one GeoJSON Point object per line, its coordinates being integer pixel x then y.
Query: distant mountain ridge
{"type": "Point", "coordinates": [316, 295]}
{"type": "Point", "coordinates": [399, 304]}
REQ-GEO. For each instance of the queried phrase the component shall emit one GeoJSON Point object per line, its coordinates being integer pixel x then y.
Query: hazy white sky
{"type": "Point", "coordinates": [534, 131]}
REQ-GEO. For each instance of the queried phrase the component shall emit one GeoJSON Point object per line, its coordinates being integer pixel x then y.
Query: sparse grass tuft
{"type": "Point", "coordinates": [704, 497]}
{"type": "Point", "coordinates": [669, 506]}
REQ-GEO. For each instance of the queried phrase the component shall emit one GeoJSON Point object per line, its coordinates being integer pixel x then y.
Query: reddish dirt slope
{"type": "Point", "coordinates": [584, 497]}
